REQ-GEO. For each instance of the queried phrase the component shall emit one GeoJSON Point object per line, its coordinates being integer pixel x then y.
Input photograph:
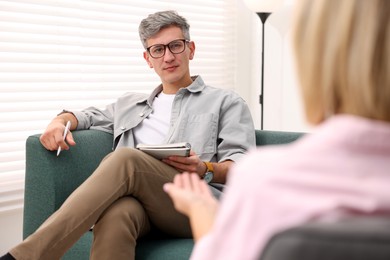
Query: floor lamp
{"type": "Point", "coordinates": [263, 8]}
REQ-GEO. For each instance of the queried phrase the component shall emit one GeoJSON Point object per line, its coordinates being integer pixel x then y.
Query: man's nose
{"type": "Point", "coordinates": [168, 55]}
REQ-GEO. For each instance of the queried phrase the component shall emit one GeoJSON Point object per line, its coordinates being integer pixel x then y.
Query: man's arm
{"type": "Point", "coordinates": [52, 137]}
{"type": "Point", "coordinates": [221, 170]}
{"type": "Point", "coordinates": [195, 165]}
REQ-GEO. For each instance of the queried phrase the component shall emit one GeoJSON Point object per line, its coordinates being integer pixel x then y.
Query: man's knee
{"type": "Point", "coordinates": [125, 154]}
{"type": "Point", "coordinates": [125, 208]}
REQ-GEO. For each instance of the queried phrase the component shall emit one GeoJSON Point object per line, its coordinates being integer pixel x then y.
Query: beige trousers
{"type": "Point", "coordinates": [122, 198]}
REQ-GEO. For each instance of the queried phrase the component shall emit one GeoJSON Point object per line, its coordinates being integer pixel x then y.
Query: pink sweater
{"type": "Point", "coordinates": [342, 169]}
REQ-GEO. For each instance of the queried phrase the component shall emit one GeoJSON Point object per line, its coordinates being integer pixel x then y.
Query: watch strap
{"type": "Point", "coordinates": [209, 167]}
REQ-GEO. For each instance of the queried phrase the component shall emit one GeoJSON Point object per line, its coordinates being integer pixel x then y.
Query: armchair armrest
{"type": "Point", "coordinates": [50, 179]}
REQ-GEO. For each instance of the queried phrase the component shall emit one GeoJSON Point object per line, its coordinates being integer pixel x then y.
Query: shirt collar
{"type": "Point", "coordinates": [197, 85]}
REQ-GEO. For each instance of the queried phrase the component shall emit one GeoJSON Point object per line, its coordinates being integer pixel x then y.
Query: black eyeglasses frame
{"type": "Point", "coordinates": [165, 46]}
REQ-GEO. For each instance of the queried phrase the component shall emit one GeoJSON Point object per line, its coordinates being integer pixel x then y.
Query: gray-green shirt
{"type": "Point", "coordinates": [216, 122]}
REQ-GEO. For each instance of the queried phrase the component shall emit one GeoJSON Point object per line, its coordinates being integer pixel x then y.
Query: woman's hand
{"type": "Point", "coordinates": [192, 197]}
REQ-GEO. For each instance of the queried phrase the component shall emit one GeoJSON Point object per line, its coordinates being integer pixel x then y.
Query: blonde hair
{"type": "Point", "coordinates": [342, 50]}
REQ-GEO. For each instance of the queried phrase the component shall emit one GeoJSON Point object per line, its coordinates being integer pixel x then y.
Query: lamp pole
{"type": "Point", "coordinates": [263, 17]}
{"type": "Point", "coordinates": [263, 8]}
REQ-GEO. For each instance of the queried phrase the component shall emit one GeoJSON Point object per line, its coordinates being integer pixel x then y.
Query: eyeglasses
{"type": "Point", "coordinates": [175, 47]}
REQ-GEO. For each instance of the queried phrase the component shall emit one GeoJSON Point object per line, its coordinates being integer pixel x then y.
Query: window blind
{"type": "Point", "coordinates": [72, 54]}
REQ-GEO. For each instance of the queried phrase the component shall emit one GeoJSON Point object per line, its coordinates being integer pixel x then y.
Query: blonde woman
{"type": "Point", "coordinates": [340, 170]}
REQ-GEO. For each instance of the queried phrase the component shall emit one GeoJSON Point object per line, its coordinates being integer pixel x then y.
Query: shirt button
{"type": "Point", "coordinates": [141, 114]}
{"type": "Point", "coordinates": [123, 128]}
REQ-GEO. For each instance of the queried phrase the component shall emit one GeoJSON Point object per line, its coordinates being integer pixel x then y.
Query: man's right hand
{"type": "Point", "coordinates": [52, 137]}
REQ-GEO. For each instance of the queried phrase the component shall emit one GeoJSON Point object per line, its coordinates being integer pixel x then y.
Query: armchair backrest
{"type": "Point", "coordinates": [267, 137]}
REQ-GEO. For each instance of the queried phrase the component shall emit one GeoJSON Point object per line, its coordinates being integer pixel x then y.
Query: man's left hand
{"type": "Point", "coordinates": [191, 163]}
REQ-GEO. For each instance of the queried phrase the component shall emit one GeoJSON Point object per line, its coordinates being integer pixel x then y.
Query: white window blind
{"type": "Point", "coordinates": [72, 54]}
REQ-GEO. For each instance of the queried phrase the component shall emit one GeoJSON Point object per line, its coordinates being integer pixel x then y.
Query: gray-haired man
{"type": "Point", "coordinates": [124, 198]}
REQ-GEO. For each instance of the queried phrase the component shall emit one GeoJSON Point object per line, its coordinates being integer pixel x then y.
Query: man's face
{"type": "Point", "coordinates": [173, 69]}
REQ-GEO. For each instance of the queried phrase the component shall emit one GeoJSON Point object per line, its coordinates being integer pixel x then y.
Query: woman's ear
{"type": "Point", "coordinates": [147, 58]}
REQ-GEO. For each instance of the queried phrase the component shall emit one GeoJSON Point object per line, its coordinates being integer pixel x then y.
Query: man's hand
{"type": "Point", "coordinates": [52, 138]}
{"type": "Point", "coordinates": [191, 163]}
{"type": "Point", "coordinates": [195, 165]}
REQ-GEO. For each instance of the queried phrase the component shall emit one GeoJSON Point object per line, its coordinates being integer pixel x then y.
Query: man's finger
{"type": "Point", "coordinates": [69, 139]}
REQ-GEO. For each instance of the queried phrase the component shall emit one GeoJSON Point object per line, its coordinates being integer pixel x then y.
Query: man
{"type": "Point", "coordinates": [123, 198]}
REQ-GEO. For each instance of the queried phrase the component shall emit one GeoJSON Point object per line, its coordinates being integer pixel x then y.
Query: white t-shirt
{"type": "Point", "coordinates": [154, 128]}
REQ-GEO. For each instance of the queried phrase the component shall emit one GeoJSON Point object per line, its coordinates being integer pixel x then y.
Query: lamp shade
{"type": "Point", "coordinates": [263, 6]}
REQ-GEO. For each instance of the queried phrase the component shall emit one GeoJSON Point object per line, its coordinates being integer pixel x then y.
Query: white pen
{"type": "Point", "coordinates": [67, 127]}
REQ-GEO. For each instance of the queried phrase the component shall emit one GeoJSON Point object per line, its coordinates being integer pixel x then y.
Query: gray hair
{"type": "Point", "coordinates": [154, 23]}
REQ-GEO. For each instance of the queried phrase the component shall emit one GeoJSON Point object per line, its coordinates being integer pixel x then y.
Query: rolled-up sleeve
{"type": "Point", "coordinates": [94, 118]}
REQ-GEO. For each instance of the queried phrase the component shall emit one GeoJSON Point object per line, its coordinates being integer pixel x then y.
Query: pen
{"type": "Point", "coordinates": [67, 127]}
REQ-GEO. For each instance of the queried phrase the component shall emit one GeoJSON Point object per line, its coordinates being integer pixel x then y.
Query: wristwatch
{"type": "Point", "coordinates": [209, 175]}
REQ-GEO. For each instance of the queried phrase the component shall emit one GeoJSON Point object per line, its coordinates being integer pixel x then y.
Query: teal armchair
{"type": "Point", "coordinates": [51, 179]}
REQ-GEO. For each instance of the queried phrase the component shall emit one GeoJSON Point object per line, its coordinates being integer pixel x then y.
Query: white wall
{"type": "Point", "coordinates": [283, 110]}
{"type": "Point", "coordinates": [11, 223]}
{"type": "Point", "coordinates": [282, 104]}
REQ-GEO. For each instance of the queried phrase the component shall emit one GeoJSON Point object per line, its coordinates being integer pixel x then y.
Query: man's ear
{"type": "Point", "coordinates": [147, 58]}
{"type": "Point", "coordinates": [191, 46]}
